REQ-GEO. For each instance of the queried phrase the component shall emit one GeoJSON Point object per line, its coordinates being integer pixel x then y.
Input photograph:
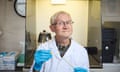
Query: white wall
{"type": "Point", "coordinates": [78, 10]}
{"type": "Point", "coordinates": [12, 27]}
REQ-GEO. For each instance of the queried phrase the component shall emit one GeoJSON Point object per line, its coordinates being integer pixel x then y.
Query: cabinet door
{"type": "Point", "coordinates": [108, 44]}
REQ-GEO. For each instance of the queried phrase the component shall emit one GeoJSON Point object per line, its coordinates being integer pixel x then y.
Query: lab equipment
{"type": "Point", "coordinates": [44, 36]}
{"type": "Point", "coordinates": [8, 60]}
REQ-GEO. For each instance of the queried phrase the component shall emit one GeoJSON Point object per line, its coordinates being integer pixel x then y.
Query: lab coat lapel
{"type": "Point", "coordinates": [55, 50]}
{"type": "Point", "coordinates": [66, 61]}
{"type": "Point", "coordinates": [68, 55]}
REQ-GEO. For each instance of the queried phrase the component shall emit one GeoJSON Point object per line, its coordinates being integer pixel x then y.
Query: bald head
{"type": "Point", "coordinates": [54, 17]}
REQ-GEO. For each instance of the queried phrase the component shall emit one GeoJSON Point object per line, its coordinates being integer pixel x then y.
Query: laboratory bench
{"type": "Point", "coordinates": [18, 69]}
{"type": "Point", "coordinates": [107, 67]}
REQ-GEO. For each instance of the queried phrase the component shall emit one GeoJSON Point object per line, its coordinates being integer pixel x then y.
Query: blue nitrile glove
{"type": "Point", "coordinates": [40, 57]}
{"type": "Point", "coordinates": [79, 69]}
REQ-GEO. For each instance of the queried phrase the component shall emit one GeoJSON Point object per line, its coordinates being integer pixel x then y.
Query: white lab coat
{"type": "Point", "coordinates": [75, 56]}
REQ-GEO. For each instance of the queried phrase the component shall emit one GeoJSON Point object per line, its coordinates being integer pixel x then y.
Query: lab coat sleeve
{"type": "Point", "coordinates": [87, 60]}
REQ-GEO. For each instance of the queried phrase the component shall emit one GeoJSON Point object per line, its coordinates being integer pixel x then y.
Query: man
{"type": "Point", "coordinates": [62, 53]}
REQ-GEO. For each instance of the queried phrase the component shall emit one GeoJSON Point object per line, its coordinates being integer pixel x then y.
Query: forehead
{"type": "Point", "coordinates": [63, 16]}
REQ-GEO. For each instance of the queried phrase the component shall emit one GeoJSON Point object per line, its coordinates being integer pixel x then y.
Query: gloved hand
{"type": "Point", "coordinates": [40, 57]}
{"type": "Point", "coordinates": [79, 69]}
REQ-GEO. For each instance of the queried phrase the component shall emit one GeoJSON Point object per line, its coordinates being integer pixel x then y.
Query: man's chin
{"type": "Point", "coordinates": [66, 37]}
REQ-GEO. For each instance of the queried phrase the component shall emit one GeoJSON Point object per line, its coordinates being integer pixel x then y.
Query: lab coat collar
{"type": "Point", "coordinates": [55, 50]}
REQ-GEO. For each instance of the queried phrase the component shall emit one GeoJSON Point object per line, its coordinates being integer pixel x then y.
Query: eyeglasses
{"type": "Point", "coordinates": [62, 23]}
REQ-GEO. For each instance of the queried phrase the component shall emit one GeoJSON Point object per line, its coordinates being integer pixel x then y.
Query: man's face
{"type": "Point", "coordinates": [63, 26]}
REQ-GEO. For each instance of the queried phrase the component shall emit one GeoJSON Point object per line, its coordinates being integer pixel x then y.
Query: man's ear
{"type": "Point", "coordinates": [52, 28]}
